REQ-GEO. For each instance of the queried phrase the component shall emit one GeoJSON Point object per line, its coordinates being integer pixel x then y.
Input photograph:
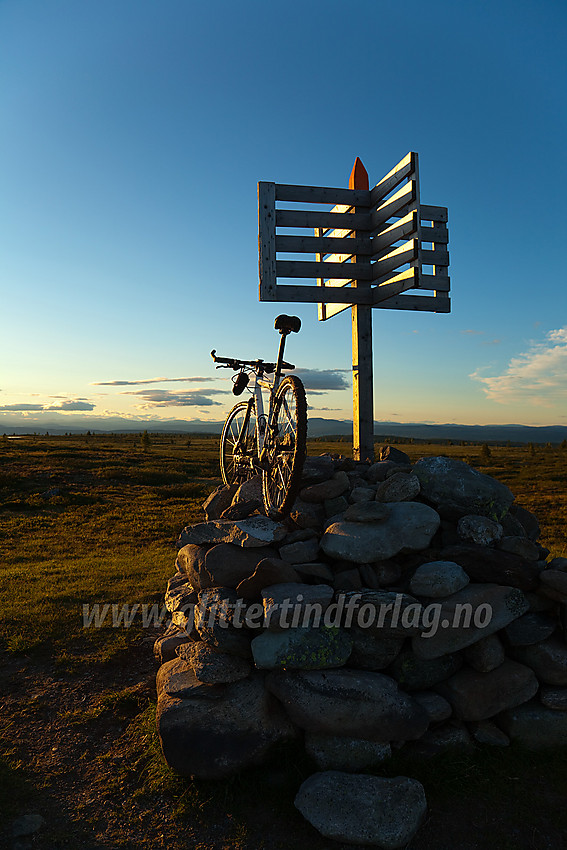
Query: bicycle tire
{"type": "Point", "coordinates": [237, 467]}
{"type": "Point", "coordinates": [286, 448]}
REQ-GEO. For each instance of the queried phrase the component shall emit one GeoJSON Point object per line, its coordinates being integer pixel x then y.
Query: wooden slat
{"type": "Point", "coordinates": [327, 311]}
{"type": "Point", "coordinates": [313, 294]}
{"type": "Point", "coordinates": [393, 205]}
{"type": "Point", "coordinates": [424, 303]}
{"type": "Point", "coordinates": [316, 218]}
{"type": "Point", "coordinates": [393, 178]}
{"type": "Point", "coordinates": [438, 257]}
{"type": "Point", "coordinates": [322, 195]}
{"type": "Point", "coordinates": [346, 271]}
{"type": "Point", "coordinates": [429, 213]}
{"type": "Point", "coordinates": [437, 282]}
{"type": "Point", "coordinates": [267, 241]}
{"type": "Point", "coordinates": [406, 226]}
{"type": "Point", "coordinates": [400, 283]}
{"type": "Point", "coordinates": [323, 244]}
{"type": "Point", "coordinates": [391, 250]}
{"type": "Point", "coordinates": [394, 260]}
{"type": "Point", "coordinates": [437, 233]}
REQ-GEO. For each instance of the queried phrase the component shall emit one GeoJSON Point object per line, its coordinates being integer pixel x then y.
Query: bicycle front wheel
{"type": "Point", "coordinates": [286, 448]}
{"type": "Point", "coordinates": [238, 446]}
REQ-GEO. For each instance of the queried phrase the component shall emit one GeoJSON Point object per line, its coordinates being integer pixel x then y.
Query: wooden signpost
{"type": "Point", "coordinates": [369, 251]}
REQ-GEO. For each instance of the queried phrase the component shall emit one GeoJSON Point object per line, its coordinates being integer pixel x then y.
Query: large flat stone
{"type": "Point", "coordinates": [478, 696]}
{"type": "Point", "coordinates": [254, 531]}
{"type": "Point", "coordinates": [409, 527]}
{"type": "Point", "coordinates": [491, 605]}
{"type": "Point", "coordinates": [365, 810]}
{"type": "Point", "coordinates": [353, 703]}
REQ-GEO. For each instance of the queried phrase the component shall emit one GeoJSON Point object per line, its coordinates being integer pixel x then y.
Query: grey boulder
{"type": "Point", "coordinates": [469, 615]}
{"type": "Point", "coordinates": [353, 703]}
{"type": "Point", "coordinates": [479, 529]}
{"type": "Point", "coordinates": [302, 649]}
{"type": "Point", "coordinates": [455, 485]}
{"type": "Point", "coordinates": [547, 659]}
{"type": "Point", "coordinates": [253, 531]}
{"type": "Point", "coordinates": [478, 696]}
{"type": "Point", "coordinates": [535, 726]}
{"type": "Point", "coordinates": [438, 578]}
{"type": "Point", "coordinates": [213, 739]}
{"type": "Point", "coordinates": [409, 527]}
{"type": "Point", "coordinates": [211, 666]}
{"type": "Point", "coordinates": [365, 810]}
{"type": "Point", "coordinates": [399, 487]}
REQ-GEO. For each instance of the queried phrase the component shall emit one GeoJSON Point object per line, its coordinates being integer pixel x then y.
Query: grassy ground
{"type": "Point", "coordinates": [88, 520]}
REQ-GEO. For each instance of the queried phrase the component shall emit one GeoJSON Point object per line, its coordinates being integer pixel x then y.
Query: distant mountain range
{"type": "Point", "coordinates": [317, 428]}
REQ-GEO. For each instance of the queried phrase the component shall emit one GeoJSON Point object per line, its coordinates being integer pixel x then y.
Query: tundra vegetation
{"type": "Point", "coordinates": [93, 519]}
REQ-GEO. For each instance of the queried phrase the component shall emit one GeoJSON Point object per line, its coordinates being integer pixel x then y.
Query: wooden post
{"type": "Point", "coordinates": [362, 377]}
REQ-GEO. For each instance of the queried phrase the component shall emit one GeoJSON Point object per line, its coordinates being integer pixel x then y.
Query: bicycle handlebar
{"type": "Point", "coordinates": [232, 363]}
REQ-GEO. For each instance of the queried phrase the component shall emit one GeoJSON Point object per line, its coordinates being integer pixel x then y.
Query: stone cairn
{"type": "Point", "coordinates": [399, 606]}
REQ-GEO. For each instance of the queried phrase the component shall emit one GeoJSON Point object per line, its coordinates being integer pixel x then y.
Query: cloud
{"type": "Point", "coordinates": [537, 376]}
{"type": "Point", "coordinates": [72, 405]}
{"type": "Point", "coordinates": [66, 404]}
{"type": "Point", "coordinates": [146, 381]}
{"type": "Point", "coordinates": [324, 379]}
{"type": "Point", "coordinates": [22, 407]}
{"type": "Point", "coordinates": [170, 398]}
{"type": "Point", "coordinates": [471, 332]}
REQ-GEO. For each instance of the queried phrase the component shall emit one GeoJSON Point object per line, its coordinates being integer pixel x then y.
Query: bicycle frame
{"type": "Point", "coordinates": [264, 424]}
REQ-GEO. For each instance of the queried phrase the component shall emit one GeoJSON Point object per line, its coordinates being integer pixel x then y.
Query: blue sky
{"type": "Point", "coordinates": [134, 134]}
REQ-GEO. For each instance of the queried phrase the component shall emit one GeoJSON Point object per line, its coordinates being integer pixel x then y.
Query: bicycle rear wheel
{"type": "Point", "coordinates": [238, 445]}
{"type": "Point", "coordinates": [286, 448]}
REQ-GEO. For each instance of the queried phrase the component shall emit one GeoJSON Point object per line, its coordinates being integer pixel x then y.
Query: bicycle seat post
{"type": "Point", "coordinates": [278, 374]}
{"type": "Point", "coordinates": [285, 325]}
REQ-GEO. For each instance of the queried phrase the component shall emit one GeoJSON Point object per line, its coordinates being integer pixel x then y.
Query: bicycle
{"type": "Point", "coordinates": [273, 444]}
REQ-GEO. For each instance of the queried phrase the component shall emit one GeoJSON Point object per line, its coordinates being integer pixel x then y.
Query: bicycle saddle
{"type": "Point", "coordinates": [287, 324]}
